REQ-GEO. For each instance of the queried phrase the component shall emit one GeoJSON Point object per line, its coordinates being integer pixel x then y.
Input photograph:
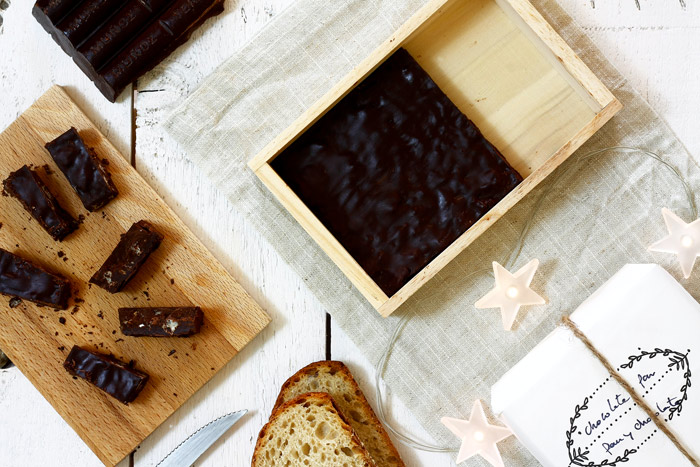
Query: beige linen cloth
{"type": "Point", "coordinates": [601, 217]}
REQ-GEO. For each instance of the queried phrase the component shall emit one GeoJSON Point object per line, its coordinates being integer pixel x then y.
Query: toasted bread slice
{"type": "Point", "coordinates": [335, 379]}
{"type": "Point", "coordinates": [309, 431]}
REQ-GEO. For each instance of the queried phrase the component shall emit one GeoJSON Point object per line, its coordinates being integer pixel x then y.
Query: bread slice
{"type": "Point", "coordinates": [335, 379]}
{"type": "Point", "coordinates": [309, 431]}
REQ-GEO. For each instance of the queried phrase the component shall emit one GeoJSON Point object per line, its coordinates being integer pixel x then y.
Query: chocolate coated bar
{"type": "Point", "coordinates": [85, 172]}
{"type": "Point", "coordinates": [116, 41]}
{"type": "Point", "coordinates": [20, 278]}
{"type": "Point", "coordinates": [132, 251]}
{"type": "Point", "coordinates": [114, 377]}
{"type": "Point", "coordinates": [396, 172]}
{"type": "Point", "coordinates": [30, 190]}
{"type": "Point", "coordinates": [160, 321]}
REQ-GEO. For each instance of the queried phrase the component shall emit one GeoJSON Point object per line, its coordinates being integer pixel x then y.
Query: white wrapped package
{"type": "Point", "coordinates": [564, 406]}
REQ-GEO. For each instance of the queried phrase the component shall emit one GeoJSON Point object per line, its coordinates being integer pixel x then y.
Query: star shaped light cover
{"type": "Point", "coordinates": [682, 239]}
{"type": "Point", "coordinates": [511, 292]}
{"type": "Point", "coordinates": [478, 436]}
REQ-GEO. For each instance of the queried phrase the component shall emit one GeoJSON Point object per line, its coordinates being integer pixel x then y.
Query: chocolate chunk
{"type": "Point", "coordinates": [20, 278]}
{"type": "Point", "coordinates": [396, 172]}
{"type": "Point", "coordinates": [83, 169]}
{"type": "Point", "coordinates": [113, 376]}
{"type": "Point", "coordinates": [132, 251]}
{"type": "Point", "coordinates": [116, 41]}
{"type": "Point", "coordinates": [161, 322]}
{"type": "Point", "coordinates": [30, 190]}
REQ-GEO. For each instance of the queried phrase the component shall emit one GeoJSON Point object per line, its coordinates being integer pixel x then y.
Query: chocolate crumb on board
{"type": "Point", "coordinates": [100, 315]}
{"type": "Point", "coordinates": [62, 348]}
{"type": "Point", "coordinates": [61, 254]}
{"type": "Point", "coordinates": [15, 302]}
{"type": "Point", "coordinates": [119, 340]}
{"type": "Point", "coordinates": [62, 320]}
{"type": "Point", "coordinates": [78, 300]}
{"type": "Point", "coordinates": [171, 352]}
{"type": "Point", "coordinates": [172, 281]}
{"type": "Point", "coordinates": [0, 225]}
{"type": "Point", "coordinates": [75, 310]}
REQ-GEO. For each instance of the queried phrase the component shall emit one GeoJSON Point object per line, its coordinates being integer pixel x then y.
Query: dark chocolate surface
{"type": "Point", "coordinates": [86, 17]}
{"type": "Point", "coordinates": [396, 172]}
{"type": "Point", "coordinates": [20, 278]}
{"type": "Point", "coordinates": [160, 321]}
{"type": "Point", "coordinates": [117, 31]}
{"type": "Point", "coordinates": [158, 41]}
{"type": "Point", "coordinates": [55, 10]}
{"type": "Point", "coordinates": [26, 186]}
{"type": "Point", "coordinates": [86, 174]}
{"type": "Point", "coordinates": [116, 41]}
{"type": "Point", "coordinates": [114, 377]}
{"type": "Point", "coordinates": [133, 249]}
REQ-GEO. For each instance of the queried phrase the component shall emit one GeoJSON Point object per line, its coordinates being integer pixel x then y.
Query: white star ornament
{"type": "Point", "coordinates": [682, 240]}
{"type": "Point", "coordinates": [478, 436]}
{"type": "Point", "coordinates": [511, 292]}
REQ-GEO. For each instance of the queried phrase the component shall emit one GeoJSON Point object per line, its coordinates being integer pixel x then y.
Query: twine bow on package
{"type": "Point", "coordinates": [450, 353]}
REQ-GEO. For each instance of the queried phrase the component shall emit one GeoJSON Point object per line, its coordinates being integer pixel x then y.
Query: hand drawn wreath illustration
{"type": "Point", "coordinates": [678, 361]}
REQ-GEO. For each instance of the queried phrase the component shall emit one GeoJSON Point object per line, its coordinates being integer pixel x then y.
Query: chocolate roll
{"type": "Point", "coordinates": [20, 278]}
{"type": "Point", "coordinates": [396, 172]}
{"type": "Point", "coordinates": [134, 248]}
{"type": "Point", "coordinates": [160, 321]}
{"type": "Point", "coordinates": [118, 31]}
{"type": "Point", "coordinates": [86, 173]}
{"type": "Point", "coordinates": [158, 41]}
{"type": "Point", "coordinates": [30, 190]}
{"type": "Point", "coordinates": [113, 376]}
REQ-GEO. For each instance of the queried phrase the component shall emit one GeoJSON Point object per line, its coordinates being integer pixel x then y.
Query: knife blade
{"type": "Point", "coordinates": [187, 452]}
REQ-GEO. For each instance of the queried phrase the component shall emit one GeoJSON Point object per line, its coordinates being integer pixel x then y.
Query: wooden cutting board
{"type": "Point", "coordinates": [180, 273]}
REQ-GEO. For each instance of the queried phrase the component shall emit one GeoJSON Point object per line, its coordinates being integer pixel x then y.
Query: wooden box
{"type": "Point", "coordinates": [507, 69]}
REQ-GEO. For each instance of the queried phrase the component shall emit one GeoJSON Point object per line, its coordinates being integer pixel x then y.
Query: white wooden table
{"type": "Point", "coordinates": [657, 48]}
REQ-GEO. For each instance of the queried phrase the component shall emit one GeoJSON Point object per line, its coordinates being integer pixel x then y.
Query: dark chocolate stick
{"type": "Point", "coordinates": [155, 43]}
{"type": "Point", "coordinates": [20, 278]}
{"type": "Point", "coordinates": [114, 377]}
{"type": "Point", "coordinates": [86, 173]}
{"type": "Point", "coordinates": [117, 32]}
{"type": "Point", "coordinates": [132, 251]}
{"type": "Point", "coordinates": [30, 190]}
{"type": "Point", "coordinates": [160, 321]}
{"type": "Point", "coordinates": [86, 18]}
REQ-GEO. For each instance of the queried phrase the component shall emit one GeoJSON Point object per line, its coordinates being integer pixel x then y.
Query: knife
{"type": "Point", "coordinates": [187, 452]}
